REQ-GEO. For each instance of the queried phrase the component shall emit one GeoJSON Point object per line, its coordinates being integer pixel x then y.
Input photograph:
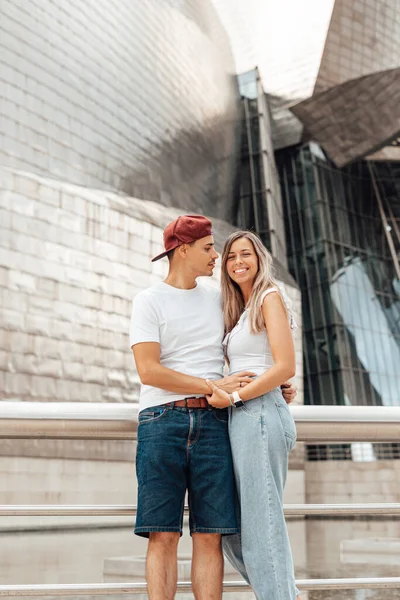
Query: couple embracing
{"type": "Point", "coordinates": [223, 440]}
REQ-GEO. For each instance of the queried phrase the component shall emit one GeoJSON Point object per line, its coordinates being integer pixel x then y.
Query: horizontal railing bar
{"type": "Point", "coordinates": [115, 421]}
{"type": "Point", "coordinates": [105, 589]}
{"type": "Point", "coordinates": [375, 508]}
{"type": "Point", "coordinates": [88, 510]}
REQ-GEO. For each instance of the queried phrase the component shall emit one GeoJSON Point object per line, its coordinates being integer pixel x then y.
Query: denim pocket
{"type": "Point", "coordinates": [254, 407]}
{"type": "Point", "coordinates": [152, 414]}
{"type": "Point", "coordinates": [288, 424]}
{"type": "Point", "coordinates": [221, 414]}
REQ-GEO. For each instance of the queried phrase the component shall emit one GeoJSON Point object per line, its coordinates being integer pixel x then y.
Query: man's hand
{"type": "Point", "coordinates": [217, 398]}
{"type": "Point", "coordinates": [289, 392]}
{"type": "Point", "coordinates": [233, 383]}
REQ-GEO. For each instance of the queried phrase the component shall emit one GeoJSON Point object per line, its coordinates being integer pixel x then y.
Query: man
{"type": "Point", "coordinates": [183, 444]}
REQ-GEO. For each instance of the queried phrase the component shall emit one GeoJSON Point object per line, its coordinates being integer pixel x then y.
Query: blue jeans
{"type": "Point", "coordinates": [262, 433]}
{"type": "Point", "coordinates": [179, 450]}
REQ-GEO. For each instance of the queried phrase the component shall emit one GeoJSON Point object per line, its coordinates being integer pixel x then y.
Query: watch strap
{"type": "Point", "coordinates": [237, 399]}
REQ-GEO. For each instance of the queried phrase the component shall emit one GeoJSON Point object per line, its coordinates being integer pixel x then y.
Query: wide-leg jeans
{"type": "Point", "coordinates": [262, 433]}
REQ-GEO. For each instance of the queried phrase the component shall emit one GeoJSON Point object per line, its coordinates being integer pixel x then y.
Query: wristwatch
{"type": "Point", "coordinates": [236, 400]}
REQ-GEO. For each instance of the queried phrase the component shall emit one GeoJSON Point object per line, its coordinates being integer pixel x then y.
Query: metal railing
{"type": "Point", "coordinates": [113, 421]}
{"type": "Point", "coordinates": [322, 424]}
{"type": "Point", "coordinates": [104, 510]}
{"type": "Point", "coordinates": [107, 589]}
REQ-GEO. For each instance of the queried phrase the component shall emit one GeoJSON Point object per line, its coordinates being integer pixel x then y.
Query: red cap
{"type": "Point", "coordinates": [184, 230]}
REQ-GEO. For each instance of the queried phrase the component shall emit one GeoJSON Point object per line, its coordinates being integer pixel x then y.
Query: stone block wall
{"type": "Point", "coordinates": [71, 260]}
{"type": "Point", "coordinates": [333, 482]}
{"type": "Point", "coordinates": [347, 482]}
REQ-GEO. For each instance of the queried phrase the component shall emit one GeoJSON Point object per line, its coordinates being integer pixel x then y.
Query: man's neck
{"type": "Point", "coordinates": [180, 280]}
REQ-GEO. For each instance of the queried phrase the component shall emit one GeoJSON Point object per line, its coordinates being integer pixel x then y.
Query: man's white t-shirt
{"type": "Point", "coordinates": [188, 325]}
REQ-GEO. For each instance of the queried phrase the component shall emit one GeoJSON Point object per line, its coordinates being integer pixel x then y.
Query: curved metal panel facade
{"type": "Point", "coordinates": [353, 119]}
{"type": "Point", "coordinates": [135, 96]}
{"type": "Point", "coordinates": [363, 38]}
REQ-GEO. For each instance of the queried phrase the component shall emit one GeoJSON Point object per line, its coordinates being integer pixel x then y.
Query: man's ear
{"type": "Point", "coordinates": [182, 250]}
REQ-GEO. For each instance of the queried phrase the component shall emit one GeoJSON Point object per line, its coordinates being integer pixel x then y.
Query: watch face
{"type": "Point", "coordinates": [239, 403]}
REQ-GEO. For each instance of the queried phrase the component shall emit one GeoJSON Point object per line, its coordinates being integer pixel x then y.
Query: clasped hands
{"type": "Point", "coordinates": [220, 390]}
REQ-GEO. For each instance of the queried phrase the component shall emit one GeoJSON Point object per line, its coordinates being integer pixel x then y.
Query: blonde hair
{"type": "Point", "coordinates": [233, 302]}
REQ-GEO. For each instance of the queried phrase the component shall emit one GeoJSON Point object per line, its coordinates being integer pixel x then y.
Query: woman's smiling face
{"type": "Point", "coordinates": [242, 262]}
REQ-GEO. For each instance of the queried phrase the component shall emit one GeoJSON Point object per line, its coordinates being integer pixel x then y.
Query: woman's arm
{"type": "Point", "coordinates": [282, 348]}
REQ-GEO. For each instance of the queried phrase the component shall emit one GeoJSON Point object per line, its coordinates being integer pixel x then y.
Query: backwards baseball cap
{"type": "Point", "coordinates": [184, 230]}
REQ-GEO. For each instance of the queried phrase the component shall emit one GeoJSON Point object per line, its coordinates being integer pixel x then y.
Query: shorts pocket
{"type": "Point", "coordinates": [288, 424]}
{"type": "Point", "coordinates": [148, 415]}
{"type": "Point", "coordinates": [221, 414]}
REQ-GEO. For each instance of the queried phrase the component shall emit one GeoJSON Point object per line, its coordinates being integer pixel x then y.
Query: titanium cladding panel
{"type": "Point", "coordinates": [137, 96]}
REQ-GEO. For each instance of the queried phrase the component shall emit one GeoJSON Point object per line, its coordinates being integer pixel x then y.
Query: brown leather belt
{"type": "Point", "coordinates": [191, 403]}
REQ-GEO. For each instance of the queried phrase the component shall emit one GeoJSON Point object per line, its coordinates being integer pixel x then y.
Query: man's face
{"type": "Point", "coordinates": [201, 257]}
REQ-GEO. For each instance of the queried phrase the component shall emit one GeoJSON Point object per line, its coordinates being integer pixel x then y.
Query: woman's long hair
{"type": "Point", "coordinates": [233, 302]}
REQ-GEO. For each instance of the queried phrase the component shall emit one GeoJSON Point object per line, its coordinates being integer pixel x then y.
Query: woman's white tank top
{"type": "Point", "coordinates": [247, 351]}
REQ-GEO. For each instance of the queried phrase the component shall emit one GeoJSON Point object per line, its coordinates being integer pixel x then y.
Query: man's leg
{"type": "Point", "coordinates": [162, 481]}
{"type": "Point", "coordinates": [211, 499]}
{"type": "Point", "coordinates": [207, 566]}
{"type": "Point", "coordinates": [161, 565]}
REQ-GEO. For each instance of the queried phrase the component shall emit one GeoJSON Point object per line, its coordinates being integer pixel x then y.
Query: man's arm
{"type": "Point", "coordinates": [152, 372]}
{"type": "Point", "coordinates": [289, 392]}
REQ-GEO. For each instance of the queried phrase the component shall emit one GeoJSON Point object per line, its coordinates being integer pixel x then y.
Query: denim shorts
{"type": "Point", "coordinates": [179, 450]}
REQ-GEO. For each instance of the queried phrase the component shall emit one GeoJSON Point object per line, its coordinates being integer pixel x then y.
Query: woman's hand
{"type": "Point", "coordinates": [218, 398]}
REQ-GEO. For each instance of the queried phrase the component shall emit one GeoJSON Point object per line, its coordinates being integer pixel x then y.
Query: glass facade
{"type": "Point", "coordinates": [342, 239]}
{"type": "Point", "coordinates": [259, 204]}
{"type": "Point", "coordinates": [339, 255]}
{"type": "Point", "coordinates": [336, 230]}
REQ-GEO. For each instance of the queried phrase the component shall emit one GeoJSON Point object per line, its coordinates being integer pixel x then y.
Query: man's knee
{"type": "Point", "coordinates": [207, 540]}
{"type": "Point", "coordinates": [165, 540]}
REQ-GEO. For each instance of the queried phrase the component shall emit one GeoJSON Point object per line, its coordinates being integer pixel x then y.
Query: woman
{"type": "Point", "coordinates": [262, 432]}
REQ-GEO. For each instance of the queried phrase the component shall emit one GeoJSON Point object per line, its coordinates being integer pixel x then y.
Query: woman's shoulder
{"type": "Point", "coordinates": [285, 299]}
{"type": "Point", "coordinates": [269, 290]}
